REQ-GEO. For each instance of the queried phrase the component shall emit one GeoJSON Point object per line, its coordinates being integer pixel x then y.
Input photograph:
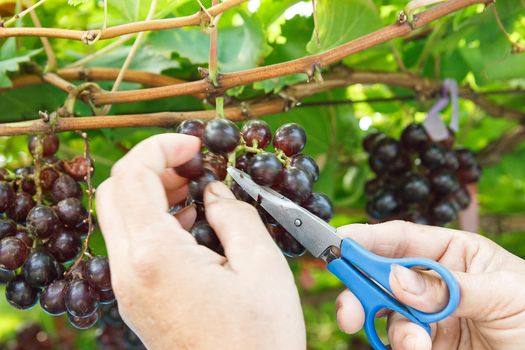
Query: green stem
{"type": "Point", "coordinates": [219, 107]}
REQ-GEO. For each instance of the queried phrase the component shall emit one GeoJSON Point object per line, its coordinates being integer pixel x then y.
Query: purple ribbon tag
{"type": "Point", "coordinates": [433, 124]}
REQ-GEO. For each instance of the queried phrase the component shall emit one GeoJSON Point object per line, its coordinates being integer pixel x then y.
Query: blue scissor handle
{"type": "Point", "coordinates": [378, 268]}
{"type": "Point", "coordinates": [372, 297]}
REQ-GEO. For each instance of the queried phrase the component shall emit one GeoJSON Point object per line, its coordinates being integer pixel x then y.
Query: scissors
{"type": "Point", "coordinates": [363, 272]}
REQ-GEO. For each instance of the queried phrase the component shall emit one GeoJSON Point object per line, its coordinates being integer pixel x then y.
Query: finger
{"type": "Point", "coordinates": [406, 335]}
{"type": "Point", "coordinates": [350, 312]}
{"type": "Point", "coordinates": [171, 180]}
{"type": "Point", "coordinates": [245, 239]}
{"type": "Point", "coordinates": [177, 196]}
{"type": "Point", "coordinates": [186, 217]}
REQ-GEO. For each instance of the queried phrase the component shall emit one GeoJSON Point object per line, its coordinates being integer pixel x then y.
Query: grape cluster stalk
{"type": "Point", "coordinates": [284, 168]}
{"type": "Point", "coordinates": [417, 179]}
{"type": "Point", "coordinates": [44, 226]}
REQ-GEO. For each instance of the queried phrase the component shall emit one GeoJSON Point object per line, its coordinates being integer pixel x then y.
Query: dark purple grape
{"type": "Point", "coordinates": [23, 235]}
{"type": "Point", "coordinates": [466, 158]}
{"type": "Point", "coordinates": [132, 341]}
{"type": "Point", "coordinates": [40, 269]}
{"type": "Point", "coordinates": [83, 228]}
{"type": "Point", "coordinates": [385, 204]}
{"type": "Point", "coordinates": [451, 161]}
{"type": "Point", "coordinates": [373, 186]}
{"type": "Point", "coordinates": [414, 137]}
{"type": "Point", "coordinates": [320, 205]}
{"type": "Point", "coordinates": [13, 253]}
{"type": "Point", "coordinates": [290, 138]}
{"type": "Point", "coordinates": [432, 156]}
{"type": "Point", "coordinates": [21, 206]}
{"type": "Point", "coordinates": [106, 296]}
{"type": "Point", "coordinates": [111, 316]}
{"type": "Point", "coordinates": [65, 187]}
{"type": "Point", "coordinates": [386, 150]}
{"type": "Point", "coordinates": [295, 184]}
{"type": "Point", "coordinates": [50, 144]}
{"type": "Point", "coordinates": [97, 273]}
{"type": "Point", "coordinates": [71, 211]}
{"type": "Point", "coordinates": [7, 196]}
{"type": "Point", "coordinates": [42, 221]}
{"type": "Point", "coordinates": [193, 168]}
{"type": "Point", "coordinates": [6, 276]}
{"type": "Point", "coordinates": [192, 127]}
{"type": "Point", "coordinates": [21, 294]}
{"type": "Point", "coordinates": [417, 218]}
{"type": "Point", "coordinates": [461, 198]}
{"type": "Point", "coordinates": [81, 300]}
{"type": "Point", "coordinates": [372, 212]}
{"type": "Point", "coordinates": [442, 212]}
{"type": "Point", "coordinates": [377, 165]}
{"type": "Point", "coordinates": [448, 142]}
{"type": "Point", "coordinates": [370, 141]}
{"type": "Point", "coordinates": [414, 189]}
{"type": "Point", "coordinates": [265, 168]}
{"type": "Point", "coordinates": [216, 163]}
{"type": "Point", "coordinates": [48, 177]}
{"type": "Point", "coordinates": [83, 322]}
{"type": "Point", "coordinates": [196, 187]}
{"type": "Point", "coordinates": [257, 132]}
{"type": "Point", "coordinates": [470, 175]}
{"type": "Point", "coordinates": [443, 182]}
{"type": "Point", "coordinates": [306, 164]}
{"type": "Point", "coordinates": [221, 136]}
{"type": "Point", "coordinates": [288, 245]}
{"type": "Point", "coordinates": [7, 228]}
{"type": "Point", "coordinates": [204, 235]}
{"type": "Point", "coordinates": [400, 165]}
{"type": "Point", "coordinates": [242, 162]}
{"type": "Point", "coordinates": [65, 245]}
{"type": "Point", "coordinates": [241, 194]}
{"type": "Point", "coordinates": [52, 297]}
{"type": "Point", "coordinates": [26, 183]}
{"type": "Point", "coordinates": [78, 167]}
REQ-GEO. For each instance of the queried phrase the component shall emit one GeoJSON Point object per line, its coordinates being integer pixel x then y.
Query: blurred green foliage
{"type": "Point", "coordinates": [467, 46]}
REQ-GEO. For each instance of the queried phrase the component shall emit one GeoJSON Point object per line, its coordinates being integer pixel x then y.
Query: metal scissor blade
{"type": "Point", "coordinates": [313, 233]}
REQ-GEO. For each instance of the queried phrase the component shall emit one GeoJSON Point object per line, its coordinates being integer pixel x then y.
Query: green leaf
{"type": "Point", "coordinates": [341, 21]}
{"type": "Point", "coordinates": [76, 2]}
{"type": "Point", "coordinates": [10, 59]}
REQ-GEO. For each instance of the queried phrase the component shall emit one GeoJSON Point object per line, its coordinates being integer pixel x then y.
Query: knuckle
{"type": "Point", "coordinates": [144, 263]}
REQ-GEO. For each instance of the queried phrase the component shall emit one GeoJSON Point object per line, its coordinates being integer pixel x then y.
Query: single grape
{"type": "Point", "coordinates": [414, 136]}
{"type": "Point", "coordinates": [81, 300]}
{"type": "Point", "coordinates": [373, 186]}
{"type": "Point", "coordinates": [286, 242]}
{"type": "Point", "coordinates": [83, 322]}
{"type": "Point", "coordinates": [443, 182]}
{"type": "Point", "coordinates": [106, 296]}
{"type": "Point", "coordinates": [132, 341]}
{"type": "Point", "coordinates": [78, 168]}
{"type": "Point", "coordinates": [193, 168]}
{"type": "Point", "coordinates": [461, 198]}
{"type": "Point", "coordinates": [48, 176]}
{"type": "Point", "coordinates": [21, 294]}
{"type": "Point", "coordinates": [400, 165]}
{"type": "Point", "coordinates": [385, 204]}
{"type": "Point", "coordinates": [370, 141]}
{"type": "Point", "coordinates": [7, 196]}
{"type": "Point", "coordinates": [82, 229]}
{"type": "Point", "coordinates": [216, 163]}
{"type": "Point", "coordinates": [290, 138]}
{"type": "Point", "coordinates": [52, 297]}
{"type": "Point", "coordinates": [23, 235]}
{"type": "Point", "coordinates": [71, 211]}
{"type": "Point", "coordinates": [377, 165]}
{"type": "Point", "coordinates": [192, 127]}
{"type": "Point", "coordinates": [386, 150]}
{"type": "Point", "coordinates": [65, 187]}
{"type": "Point", "coordinates": [111, 316]}
{"type": "Point", "coordinates": [65, 245]}
{"type": "Point", "coordinates": [320, 205]}
{"type": "Point", "coordinates": [257, 132]}
{"type": "Point", "coordinates": [295, 184]}
{"type": "Point", "coordinates": [42, 221]}
{"type": "Point", "coordinates": [13, 253]}
{"type": "Point", "coordinates": [21, 206]}
{"type": "Point", "coordinates": [204, 235]}
{"type": "Point", "coordinates": [40, 269]}
{"type": "Point", "coordinates": [469, 175]}
{"type": "Point", "coordinates": [221, 136]}
{"type": "Point", "coordinates": [50, 144]}
{"type": "Point", "coordinates": [242, 162]}
{"type": "Point", "coordinates": [241, 194]}
{"type": "Point", "coordinates": [432, 156]}
{"type": "Point", "coordinates": [196, 187]}
{"type": "Point", "coordinates": [6, 276]}
{"type": "Point", "coordinates": [306, 164]}
{"type": "Point", "coordinates": [97, 273]}
{"type": "Point", "coordinates": [417, 218]}
{"type": "Point", "coordinates": [7, 228]}
{"type": "Point", "coordinates": [27, 184]}
{"type": "Point", "coordinates": [415, 189]}
{"type": "Point", "coordinates": [451, 160]}
{"type": "Point", "coordinates": [466, 158]}
{"type": "Point", "coordinates": [265, 168]}
{"type": "Point", "coordinates": [442, 212]}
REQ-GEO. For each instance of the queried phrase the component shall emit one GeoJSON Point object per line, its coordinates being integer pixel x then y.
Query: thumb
{"type": "Point", "coordinates": [482, 294]}
{"type": "Point", "coordinates": [245, 239]}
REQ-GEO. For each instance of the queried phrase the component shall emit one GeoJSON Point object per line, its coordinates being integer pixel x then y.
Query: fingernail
{"type": "Point", "coordinates": [411, 281]}
{"type": "Point", "coordinates": [218, 189]}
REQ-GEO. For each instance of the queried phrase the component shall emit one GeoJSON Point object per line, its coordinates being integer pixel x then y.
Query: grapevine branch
{"type": "Point", "coordinates": [120, 30]}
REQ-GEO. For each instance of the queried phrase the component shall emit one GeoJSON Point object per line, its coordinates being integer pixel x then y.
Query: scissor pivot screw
{"type": "Point", "coordinates": [298, 222]}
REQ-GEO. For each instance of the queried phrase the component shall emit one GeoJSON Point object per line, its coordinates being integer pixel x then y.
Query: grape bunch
{"type": "Point", "coordinates": [417, 179]}
{"type": "Point", "coordinates": [29, 336]}
{"type": "Point", "coordinates": [114, 334]}
{"type": "Point", "coordinates": [284, 169]}
{"type": "Point", "coordinates": [42, 226]}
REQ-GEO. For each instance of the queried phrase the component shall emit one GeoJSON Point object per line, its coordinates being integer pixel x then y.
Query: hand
{"type": "Point", "coordinates": [175, 293]}
{"type": "Point", "coordinates": [491, 312]}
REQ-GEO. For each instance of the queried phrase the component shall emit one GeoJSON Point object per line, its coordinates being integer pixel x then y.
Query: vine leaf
{"type": "Point", "coordinates": [76, 2]}
{"type": "Point", "coordinates": [10, 59]}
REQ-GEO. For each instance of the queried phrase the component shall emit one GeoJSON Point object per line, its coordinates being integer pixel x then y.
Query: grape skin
{"type": "Point", "coordinates": [21, 294]}
{"type": "Point", "coordinates": [265, 168]}
{"type": "Point", "coordinates": [13, 253]}
{"type": "Point", "coordinates": [290, 138]}
{"type": "Point", "coordinates": [221, 136]}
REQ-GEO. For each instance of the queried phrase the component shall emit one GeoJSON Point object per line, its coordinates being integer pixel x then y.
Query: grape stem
{"type": "Point", "coordinates": [38, 167]}
{"type": "Point", "coordinates": [283, 158]}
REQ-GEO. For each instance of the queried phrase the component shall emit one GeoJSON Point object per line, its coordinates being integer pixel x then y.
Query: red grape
{"type": "Point", "coordinates": [295, 184]}
{"type": "Point", "coordinates": [257, 131]}
{"type": "Point", "coordinates": [204, 235]}
{"type": "Point", "coordinates": [106, 296]}
{"type": "Point", "coordinates": [192, 127]}
{"type": "Point", "coordinates": [96, 272]}
{"type": "Point", "coordinates": [22, 205]}
{"type": "Point", "coordinates": [80, 299]}
{"type": "Point", "coordinates": [48, 176]}
{"type": "Point", "coordinates": [216, 163]}
{"type": "Point", "coordinates": [306, 164]}
{"type": "Point", "coordinates": [197, 186]}
{"type": "Point", "coordinates": [50, 145]}
{"type": "Point", "coordinates": [221, 136]}
{"type": "Point", "coordinates": [71, 211]}
{"type": "Point", "coordinates": [13, 253]}
{"type": "Point", "coordinates": [7, 196]}
{"type": "Point", "coordinates": [286, 242]}
{"type": "Point", "coordinates": [42, 221]}
{"type": "Point", "coordinates": [7, 228]}
{"type": "Point", "coordinates": [192, 169]}
{"type": "Point", "coordinates": [65, 245]}
{"type": "Point", "coordinates": [320, 205]}
{"type": "Point", "coordinates": [78, 168]}
{"type": "Point", "coordinates": [21, 294]}
{"type": "Point", "coordinates": [40, 269]}
{"type": "Point", "coordinates": [290, 138]}
{"type": "Point", "coordinates": [65, 187]}
{"type": "Point", "coordinates": [242, 162]}
{"type": "Point", "coordinates": [83, 322]}
{"type": "Point", "coordinates": [52, 298]}
{"type": "Point", "coordinates": [265, 168]}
